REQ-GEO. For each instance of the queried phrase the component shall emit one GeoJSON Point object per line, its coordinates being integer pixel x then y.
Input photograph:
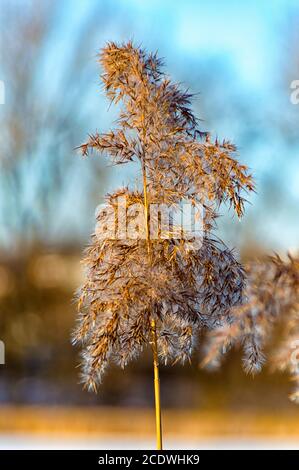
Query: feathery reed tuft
{"type": "Point", "coordinates": [271, 300]}
{"type": "Point", "coordinates": [131, 282]}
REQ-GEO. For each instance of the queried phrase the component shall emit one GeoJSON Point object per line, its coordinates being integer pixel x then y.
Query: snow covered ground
{"type": "Point", "coordinates": [19, 441]}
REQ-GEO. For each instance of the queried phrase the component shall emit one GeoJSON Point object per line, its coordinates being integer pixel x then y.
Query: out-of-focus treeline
{"type": "Point", "coordinates": [48, 196]}
{"type": "Point", "coordinates": [42, 224]}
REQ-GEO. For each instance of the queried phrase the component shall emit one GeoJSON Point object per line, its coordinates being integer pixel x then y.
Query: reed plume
{"type": "Point", "coordinates": [163, 290]}
{"type": "Point", "coordinates": [267, 319]}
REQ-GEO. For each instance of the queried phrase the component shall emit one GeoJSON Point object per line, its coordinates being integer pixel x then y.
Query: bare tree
{"type": "Point", "coordinates": [43, 114]}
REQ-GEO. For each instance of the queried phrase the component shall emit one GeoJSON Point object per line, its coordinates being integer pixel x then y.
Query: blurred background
{"type": "Point", "coordinates": [241, 57]}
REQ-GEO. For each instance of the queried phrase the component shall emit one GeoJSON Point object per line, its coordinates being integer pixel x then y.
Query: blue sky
{"type": "Point", "coordinates": [236, 54]}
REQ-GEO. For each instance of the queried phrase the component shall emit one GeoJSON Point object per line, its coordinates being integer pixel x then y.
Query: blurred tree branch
{"type": "Point", "coordinates": [42, 116]}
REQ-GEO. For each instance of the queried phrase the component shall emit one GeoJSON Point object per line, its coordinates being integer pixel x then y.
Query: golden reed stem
{"type": "Point", "coordinates": [153, 326]}
{"type": "Point", "coordinates": [156, 386]}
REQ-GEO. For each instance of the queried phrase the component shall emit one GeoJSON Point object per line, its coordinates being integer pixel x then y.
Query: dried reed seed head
{"type": "Point", "coordinates": [268, 315]}
{"type": "Point", "coordinates": [158, 127]}
{"type": "Point", "coordinates": [186, 291]}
